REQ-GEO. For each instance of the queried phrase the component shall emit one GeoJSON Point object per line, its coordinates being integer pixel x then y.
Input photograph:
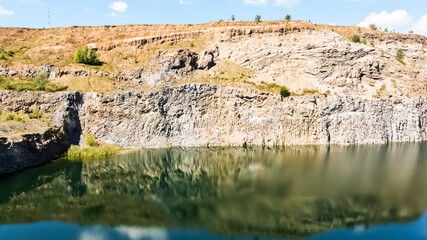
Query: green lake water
{"type": "Point", "coordinates": [310, 192]}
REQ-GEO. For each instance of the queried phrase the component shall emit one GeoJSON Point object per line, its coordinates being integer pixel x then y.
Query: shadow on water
{"type": "Point", "coordinates": [291, 193]}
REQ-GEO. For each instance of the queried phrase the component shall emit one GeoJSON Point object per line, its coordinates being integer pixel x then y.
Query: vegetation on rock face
{"type": "Point", "coordinates": [288, 17]}
{"type": "Point", "coordinates": [92, 150]}
{"type": "Point", "coordinates": [284, 92]}
{"type": "Point", "coordinates": [233, 18]}
{"type": "Point", "coordinates": [87, 56]}
{"type": "Point", "coordinates": [40, 83]}
{"type": "Point", "coordinates": [373, 27]}
{"type": "Point", "coordinates": [90, 141]}
{"type": "Point", "coordinates": [78, 152]}
{"type": "Point", "coordinates": [11, 116]}
{"type": "Point", "coordinates": [400, 56]}
{"type": "Point", "coordinates": [355, 38]}
{"type": "Point", "coordinates": [258, 18]}
{"type": "Point", "coordinates": [41, 80]}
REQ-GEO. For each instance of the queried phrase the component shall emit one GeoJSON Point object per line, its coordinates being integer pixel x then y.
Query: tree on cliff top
{"type": "Point", "coordinates": [87, 56]}
{"type": "Point", "coordinates": [258, 18]}
{"type": "Point", "coordinates": [288, 17]}
{"type": "Point", "coordinates": [373, 27]}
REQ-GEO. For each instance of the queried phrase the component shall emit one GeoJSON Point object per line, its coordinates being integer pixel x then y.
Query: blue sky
{"type": "Point", "coordinates": [393, 14]}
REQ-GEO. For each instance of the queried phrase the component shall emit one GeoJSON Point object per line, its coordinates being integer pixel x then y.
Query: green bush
{"type": "Point", "coordinates": [40, 83]}
{"type": "Point", "coordinates": [36, 114]}
{"type": "Point", "coordinates": [87, 56]}
{"type": "Point", "coordinates": [373, 27]}
{"type": "Point", "coordinates": [77, 152]}
{"type": "Point", "coordinates": [258, 18]}
{"type": "Point", "coordinates": [355, 38]}
{"type": "Point", "coordinates": [284, 92]}
{"type": "Point", "coordinates": [41, 80]}
{"type": "Point", "coordinates": [2, 57]}
{"type": "Point", "coordinates": [90, 141]}
{"type": "Point", "coordinates": [11, 116]}
{"type": "Point", "coordinates": [400, 55]}
{"type": "Point", "coordinates": [10, 53]}
{"type": "Point", "coordinates": [288, 17]}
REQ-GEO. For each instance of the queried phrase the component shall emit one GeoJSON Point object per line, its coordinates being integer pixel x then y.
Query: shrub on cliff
{"type": "Point", "coordinates": [373, 27]}
{"type": "Point", "coordinates": [78, 152]}
{"type": "Point", "coordinates": [258, 18]}
{"type": "Point", "coordinates": [288, 17]}
{"type": "Point", "coordinates": [400, 55]}
{"type": "Point", "coordinates": [87, 56]}
{"type": "Point", "coordinates": [41, 80]}
{"type": "Point", "coordinates": [284, 92]}
{"type": "Point", "coordinates": [90, 141]}
{"type": "Point", "coordinates": [355, 38]}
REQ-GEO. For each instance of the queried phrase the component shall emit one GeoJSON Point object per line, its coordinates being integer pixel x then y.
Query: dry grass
{"type": "Point", "coordinates": [14, 124]}
{"type": "Point", "coordinates": [58, 45]}
{"type": "Point", "coordinates": [93, 83]}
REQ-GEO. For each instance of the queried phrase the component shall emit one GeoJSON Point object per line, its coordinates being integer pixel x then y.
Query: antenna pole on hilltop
{"type": "Point", "coordinates": [48, 17]}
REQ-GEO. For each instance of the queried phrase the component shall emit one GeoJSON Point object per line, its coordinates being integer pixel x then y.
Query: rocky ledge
{"type": "Point", "coordinates": [210, 115]}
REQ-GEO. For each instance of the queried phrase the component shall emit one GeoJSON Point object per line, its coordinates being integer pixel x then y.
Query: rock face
{"type": "Point", "coordinates": [206, 115]}
{"type": "Point", "coordinates": [209, 115]}
{"type": "Point", "coordinates": [31, 150]}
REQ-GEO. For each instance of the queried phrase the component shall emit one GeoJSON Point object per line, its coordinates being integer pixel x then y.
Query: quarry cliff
{"type": "Point", "coordinates": [214, 84]}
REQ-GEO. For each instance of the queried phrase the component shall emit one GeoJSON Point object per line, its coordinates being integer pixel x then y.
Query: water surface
{"type": "Point", "coordinates": [313, 192]}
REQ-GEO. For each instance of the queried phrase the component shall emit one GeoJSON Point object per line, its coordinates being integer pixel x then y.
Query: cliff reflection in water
{"type": "Point", "coordinates": [291, 193]}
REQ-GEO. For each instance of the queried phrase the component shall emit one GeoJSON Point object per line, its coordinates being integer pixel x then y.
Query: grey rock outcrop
{"type": "Point", "coordinates": [202, 115]}
{"type": "Point", "coordinates": [31, 150]}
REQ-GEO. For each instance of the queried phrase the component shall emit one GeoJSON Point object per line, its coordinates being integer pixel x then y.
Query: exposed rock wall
{"type": "Point", "coordinates": [200, 115]}
{"type": "Point", "coordinates": [209, 115]}
{"type": "Point", "coordinates": [31, 150]}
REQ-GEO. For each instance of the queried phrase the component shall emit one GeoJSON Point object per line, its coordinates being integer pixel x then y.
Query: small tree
{"type": "Point", "coordinates": [373, 27]}
{"type": "Point", "coordinates": [386, 30]}
{"type": "Point", "coordinates": [41, 80]}
{"type": "Point", "coordinates": [233, 18]}
{"type": "Point", "coordinates": [355, 38]}
{"type": "Point", "coordinates": [86, 56]}
{"type": "Point", "coordinates": [288, 17]}
{"type": "Point", "coordinates": [284, 92]}
{"type": "Point", "coordinates": [258, 18]}
{"type": "Point", "coordinates": [400, 55]}
{"type": "Point", "coordinates": [90, 141]}
{"type": "Point", "coordinates": [411, 32]}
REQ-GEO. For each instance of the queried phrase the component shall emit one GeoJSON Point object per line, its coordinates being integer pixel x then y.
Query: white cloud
{"type": "Point", "coordinates": [184, 2]}
{"type": "Point", "coordinates": [143, 233]}
{"type": "Point", "coordinates": [256, 2]}
{"type": "Point", "coordinates": [119, 6]}
{"type": "Point", "coordinates": [5, 11]}
{"type": "Point", "coordinates": [394, 20]}
{"type": "Point", "coordinates": [284, 3]}
{"type": "Point", "coordinates": [420, 26]}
